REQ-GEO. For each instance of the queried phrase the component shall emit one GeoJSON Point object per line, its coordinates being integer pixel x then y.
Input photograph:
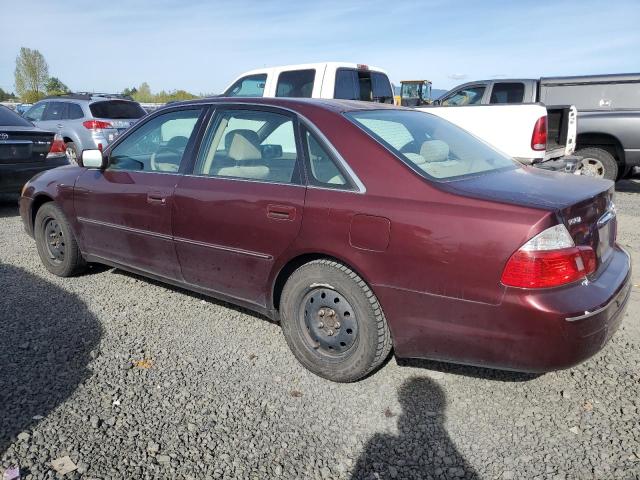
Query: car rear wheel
{"type": "Point", "coordinates": [597, 162]}
{"type": "Point", "coordinates": [72, 153]}
{"type": "Point", "coordinates": [56, 243]}
{"type": "Point", "coordinates": [333, 322]}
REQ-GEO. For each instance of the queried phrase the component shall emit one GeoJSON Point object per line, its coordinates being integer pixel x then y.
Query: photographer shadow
{"type": "Point", "coordinates": [45, 348]}
{"type": "Point", "coordinates": [422, 449]}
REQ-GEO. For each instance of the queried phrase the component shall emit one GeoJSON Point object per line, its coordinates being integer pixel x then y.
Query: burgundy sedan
{"type": "Point", "coordinates": [360, 227]}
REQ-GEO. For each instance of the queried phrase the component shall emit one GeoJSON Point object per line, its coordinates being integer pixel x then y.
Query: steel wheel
{"type": "Point", "coordinates": [55, 240]}
{"type": "Point", "coordinates": [329, 320]}
{"type": "Point", "coordinates": [590, 167]}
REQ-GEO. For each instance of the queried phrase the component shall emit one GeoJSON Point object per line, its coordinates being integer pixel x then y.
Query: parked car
{"type": "Point", "coordinates": [25, 150]}
{"type": "Point", "coordinates": [85, 121]}
{"type": "Point", "coordinates": [608, 114]}
{"type": "Point", "coordinates": [356, 225]}
{"type": "Point", "coordinates": [347, 81]}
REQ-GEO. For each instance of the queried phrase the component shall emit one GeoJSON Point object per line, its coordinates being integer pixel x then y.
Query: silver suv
{"type": "Point", "coordinates": [85, 121]}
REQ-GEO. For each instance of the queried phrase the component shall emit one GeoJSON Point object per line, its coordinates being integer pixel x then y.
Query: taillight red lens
{"type": "Point", "coordinates": [96, 125]}
{"type": "Point", "coordinates": [539, 137]}
{"type": "Point", "coordinates": [58, 147]}
{"type": "Point", "coordinates": [548, 268]}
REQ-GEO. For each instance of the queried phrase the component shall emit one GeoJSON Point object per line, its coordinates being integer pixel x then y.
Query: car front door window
{"type": "Point", "coordinates": [158, 145]}
{"type": "Point", "coordinates": [465, 96]}
{"type": "Point", "coordinates": [34, 114]}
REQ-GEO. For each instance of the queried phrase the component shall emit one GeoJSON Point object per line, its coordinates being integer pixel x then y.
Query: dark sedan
{"type": "Point", "coordinates": [359, 227]}
{"type": "Point", "coordinates": [25, 150]}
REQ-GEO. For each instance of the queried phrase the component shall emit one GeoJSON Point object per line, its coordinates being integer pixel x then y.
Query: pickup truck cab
{"type": "Point", "coordinates": [508, 114]}
{"type": "Point", "coordinates": [608, 113]}
{"type": "Point", "coordinates": [347, 81]}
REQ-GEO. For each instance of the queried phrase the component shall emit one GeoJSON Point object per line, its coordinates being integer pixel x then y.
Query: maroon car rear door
{"type": "Point", "coordinates": [242, 206]}
{"type": "Point", "coordinates": [124, 211]}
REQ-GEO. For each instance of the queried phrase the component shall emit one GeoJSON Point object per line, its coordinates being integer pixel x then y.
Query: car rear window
{"type": "Point", "coordinates": [116, 109]}
{"type": "Point", "coordinates": [365, 85]}
{"type": "Point", "coordinates": [296, 83]}
{"type": "Point", "coordinates": [10, 118]}
{"type": "Point", "coordinates": [433, 147]}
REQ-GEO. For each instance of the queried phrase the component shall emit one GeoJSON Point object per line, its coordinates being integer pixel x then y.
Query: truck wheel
{"type": "Point", "coordinates": [333, 322]}
{"type": "Point", "coordinates": [597, 162]}
{"type": "Point", "coordinates": [56, 243]}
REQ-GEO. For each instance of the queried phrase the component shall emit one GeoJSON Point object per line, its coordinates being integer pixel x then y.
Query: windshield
{"type": "Point", "coordinates": [431, 146]}
{"type": "Point", "coordinates": [10, 118]}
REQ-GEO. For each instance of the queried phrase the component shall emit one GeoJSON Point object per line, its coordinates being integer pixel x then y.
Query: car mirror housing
{"type": "Point", "coordinates": [93, 159]}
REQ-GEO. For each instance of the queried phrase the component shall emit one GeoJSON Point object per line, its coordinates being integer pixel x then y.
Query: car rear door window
{"type": "Point", "coordinates": [365, 85]}
{"type": "Point", "coordinates": [503, 92]}
{"type": "Point", "coordinates": [323, 171]}
{"type": "Point", "coordinates": [296, 83]}
{"type": "Point", "coordinates": [117, 109]}
{"type": "Point", "coordinates": [251, 145]}
{"type": "Point", "coordinates": [249, 86]}
{"type": "Point", "coordinates": [75, 111]}
{"type": "Point", "coordinates": [465, 96]}
{"type": "Point", "coordinates": [158, 145]}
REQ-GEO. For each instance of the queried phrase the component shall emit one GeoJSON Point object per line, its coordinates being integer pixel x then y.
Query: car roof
{"type": "Point", "coordinates": [307, 66]}
{"type": "Point", "coordinates": [333, 105]}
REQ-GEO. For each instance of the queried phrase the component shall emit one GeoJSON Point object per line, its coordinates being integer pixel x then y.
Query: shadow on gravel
{"type": "Point", "coordinates": [468, 371]}
{"type": "Point", "coordinates": [46, 336]}
{"type": "Point", "coordinates": [9, 206]}
{"type": "Point", "coordinates": [628, 186]}
{"type": "Point", "coordinates": [422, 449]}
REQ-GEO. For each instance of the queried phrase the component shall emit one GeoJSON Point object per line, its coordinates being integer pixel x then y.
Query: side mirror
{"type": "Point", "coordinates": [93, 159]}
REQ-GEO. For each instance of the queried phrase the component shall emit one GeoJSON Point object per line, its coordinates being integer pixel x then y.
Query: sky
{"type": "Point", "coordinates": [201, 46]}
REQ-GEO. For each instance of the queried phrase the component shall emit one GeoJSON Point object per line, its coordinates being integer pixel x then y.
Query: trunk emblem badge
{"type": "Point", "coordinates": [4, 136]}
{"type": "Point", "coordinates": [574, 220]}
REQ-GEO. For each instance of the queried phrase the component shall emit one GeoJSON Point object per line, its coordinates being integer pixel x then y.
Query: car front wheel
{"type": "Point", "coordinates": [333, 322]}
{"type": "Point", "coordinates": [56, 243]}
{"type": "Point", "coordinates": [598, 163]}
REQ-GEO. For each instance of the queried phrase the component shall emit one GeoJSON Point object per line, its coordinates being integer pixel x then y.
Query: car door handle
{"type": "Point", "coordinates": [155, 198]}
{"type": "Point", "coordinates": [281, 212]}
{"type": "Point", "coordinates": [59, 125]}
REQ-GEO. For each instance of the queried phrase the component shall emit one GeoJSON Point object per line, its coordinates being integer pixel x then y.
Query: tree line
{"type": "Point", "coordinates": [32, 82]}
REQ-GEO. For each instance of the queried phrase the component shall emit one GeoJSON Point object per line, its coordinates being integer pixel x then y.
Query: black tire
{"type": "Point", "coordinates": [597, 162]}
{"type": "Point", "coordinates": [361, 339]}
{"type": "Point", "coordinates": [57, 246]}
{"type": "Point", "coordinates": [72, 153]}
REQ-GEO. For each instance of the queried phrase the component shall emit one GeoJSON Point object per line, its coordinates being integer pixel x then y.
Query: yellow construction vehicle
{"type": "Point", "coordinates": [414, 93]}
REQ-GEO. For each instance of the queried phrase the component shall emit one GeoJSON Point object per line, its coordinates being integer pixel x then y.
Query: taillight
{"type": "Point", "coordinates": [96, 125]}
{"type": "Point", "coordinates": [539, 137]}
{"type": "Point", "coordinates": [549, 259]}
{"type": "Point", "coordinates": [58, 147]}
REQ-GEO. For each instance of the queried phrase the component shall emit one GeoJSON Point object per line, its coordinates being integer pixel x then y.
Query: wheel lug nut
{"type": "Point", "coordinates": [321, 312]}
{"type": "Point", "coordinates": [330, 332]}
{"type": "Point", "coordinates": [336, 325]}
{"type": "Point", "coordinates": [321, 325]}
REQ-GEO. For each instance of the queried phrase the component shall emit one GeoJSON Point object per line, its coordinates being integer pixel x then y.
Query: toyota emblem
{"type": "Point", "coordinates": [4, 136]}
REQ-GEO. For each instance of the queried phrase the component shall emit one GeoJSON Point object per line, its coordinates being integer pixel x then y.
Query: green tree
{"type": "Point", "coordinates": [4, 96]}
{"type": "Point", "coordinates": [129, 92]}
{"type": "Point", "coordinates": [143, 95]}
{"type": "Point", "coordinates": [56, 87]}
{"type": "Point", "coordinates": [31, 74]}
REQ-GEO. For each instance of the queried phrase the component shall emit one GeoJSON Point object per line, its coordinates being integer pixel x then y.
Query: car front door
{"type": "Point", "coordinates": [124, 211]}
{"type": "Point", "coordinates": [242, 206]}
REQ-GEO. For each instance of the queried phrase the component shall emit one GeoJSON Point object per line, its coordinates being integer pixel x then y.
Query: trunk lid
{"type": "Point", "coordinates": [583, 204]}
{"type": "Point", "coordinates": [24, 144]}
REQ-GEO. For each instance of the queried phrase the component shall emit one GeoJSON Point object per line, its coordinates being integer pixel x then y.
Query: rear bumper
{"type": "Point", "coordinates": [14, 176]}
{"type": "Point", "coordinates": [529, 330]}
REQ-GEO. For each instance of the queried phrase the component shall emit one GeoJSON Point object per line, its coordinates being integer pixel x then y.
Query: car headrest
{"type": "Point", "coordinates": [434, 151]}
{"type": "Point", "coordinates": [178, 143]}
{"type": "Point", "coordinates": [250, 135]}
{"type": "Point", "coordinates": [241, 149]}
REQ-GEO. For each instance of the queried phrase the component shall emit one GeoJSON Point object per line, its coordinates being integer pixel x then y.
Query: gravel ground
{"type": "Point", "coordinates": [134, 379]}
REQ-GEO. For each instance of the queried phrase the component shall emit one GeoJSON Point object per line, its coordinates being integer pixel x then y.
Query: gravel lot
{"type": "Point", "coordinates": [134, 379]}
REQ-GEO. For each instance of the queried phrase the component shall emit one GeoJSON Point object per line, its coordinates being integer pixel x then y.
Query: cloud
{"type": "Point", "coordinates": [457, 76]}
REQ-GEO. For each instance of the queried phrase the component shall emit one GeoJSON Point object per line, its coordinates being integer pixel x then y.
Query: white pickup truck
{"type": "Point", "coordinates": [530, 133]}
